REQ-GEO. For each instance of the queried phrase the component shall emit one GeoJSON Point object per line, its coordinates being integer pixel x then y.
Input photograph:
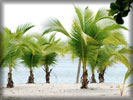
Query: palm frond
{"type": "Point", "coordinates": [49, 59]}
{"type": "Point", "coordinates": [92, 56]}
{"type": "Point", "coordinates": [31, 52]}
{"type": "Point", "coordinates": [125, 50]}
{"type": "Point", "coordinates": [52, 37]}
{"type": "Point", "coordinates": [29, 59]}
{"type": "Point", "coordinates": [115, 27]}
{"type": "Point", "coordinates": [23, 29]}
{"type": "Point", "coordinates": [115, 38]}
{"type": "Point", "coordinates": [88, 19]}
{"type": "Point", "coordinates": [102, 13]}
{"type": "Point", "coordinates": [92, 30]}
{"type": "Point", "coordinates": [55, 25]}
{"type": "Point", "coordinates": [80, 16]}
{"type": "Point", "coordinates": [121, 58]}
{"type": "Point", "coordinates": [7, 31]}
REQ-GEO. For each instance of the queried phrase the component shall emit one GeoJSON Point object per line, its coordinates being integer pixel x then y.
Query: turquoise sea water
{"type": "Point", "coordinates": [63, 72]}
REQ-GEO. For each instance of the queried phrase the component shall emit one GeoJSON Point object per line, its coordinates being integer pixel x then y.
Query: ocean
{"type": "Point", "coordinates": [64, 71]}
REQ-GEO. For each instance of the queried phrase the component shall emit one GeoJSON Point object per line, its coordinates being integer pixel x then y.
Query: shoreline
{"type": "Point", "coordinates": [64, 90]}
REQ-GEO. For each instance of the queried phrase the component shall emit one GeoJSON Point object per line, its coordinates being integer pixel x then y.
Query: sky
{"type": "Point", "coordinates": [15, 14]}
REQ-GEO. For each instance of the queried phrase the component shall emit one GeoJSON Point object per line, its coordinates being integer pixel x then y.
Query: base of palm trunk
{"type": "Point", "coordinates": [31, 78]}
{"type": "Point", "coordinates": [85, 81]}
{"type": "Point", "coordinates": [101, 78]}
{"type": "Point", "coordinates": [48, 77]}
{"type": "Point", "coordinates": [93, 80]}
{"type": "Point", "coordinates": [10, 81]}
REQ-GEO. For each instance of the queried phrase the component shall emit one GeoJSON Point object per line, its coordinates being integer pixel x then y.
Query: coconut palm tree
{"type": "Point", "coordinates": [110, 55]}
{"type": "Point", "coordinates": [78, 43]}
{"type": "Point", "coordinates": [88, 33]}
{"type": "Point", "coordinates": [48, 60]}
{"type": "Point", "coordinates": [93, 53]}
{"type": "Point", "coordinates": [98, 30]}
{"type": "Point", "coordinates": [12, 48]}
{"type": "Point", "coordinates": [51, 48]}
{"type": "Point", "coordinates": [31, 55]}
{"type": "Point", "coordinates": [105, 58]}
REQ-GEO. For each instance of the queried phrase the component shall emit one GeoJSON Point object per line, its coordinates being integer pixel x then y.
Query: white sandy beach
{"type": "Point", "coordinates": [64, 90]}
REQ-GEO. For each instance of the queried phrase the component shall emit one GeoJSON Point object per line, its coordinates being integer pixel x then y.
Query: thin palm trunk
{"type": "Point", "coordinates": [10, 81]}
{"type": "Point", "coordinates": [78, 72]}
{"type": "Point", "coordinates": [31, 77]}
{"type": "Point", "coordinates": [85, 76]}
{"type": "Point", "coordinates": [101, 76]}
{"type": "Point", "coordinates": [47, 74]}
{"type": "Point", "coordinates": [93, 80]}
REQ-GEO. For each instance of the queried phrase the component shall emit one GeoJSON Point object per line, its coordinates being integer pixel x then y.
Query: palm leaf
{"type": "Point", "coordinates": [123, 60]}
{"type": "Point", "coordinates": [128, 73]}
{"type": "Point", "coordinates": [80, 16]}
{"type": "Point", "coordinates": [117, 38]}
{"type": "Point", "coordinates": [88, 19]}
{"type": "Point", "coordinates": [55, 25]}
{"type": "Point", "coordinates": [115, 27]}
{"type": "Point", "coordinates": [23, 29]}
{"type": "Point", "coordinates": [129, 85]}
{"type": "Point", "coordinates": [49, 59]}
{"type": "Point", "coordinates": [100, 15]}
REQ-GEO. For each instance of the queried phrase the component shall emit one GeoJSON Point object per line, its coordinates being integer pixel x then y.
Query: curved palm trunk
{"type": "Point", "coordinates": [101, 76]}
{"type": "Point", "coordinates": [84, 77]}
{"type": "Point", "coordinates": [31, 77]}
{"type": "Point", "coordinates": [93, 80]}
{"type": "Point", "coordinates": [47, 74]}
{"type": "Point", "coordinates": [10, 81]}
{"type": "Point", "coordinates": [78, 72]}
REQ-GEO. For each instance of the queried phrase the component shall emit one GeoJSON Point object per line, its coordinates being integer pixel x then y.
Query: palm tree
{"type": "Point", "coordinates": [105, 58]}
{"type": "Point", "coordinates": [98, 30]}
{"type": "Point", "coordinates": [88, 34]}
{"type": "Point", "coordinates": [77, 43]}
{"type": "Point", "coordinates": [93, 53]}
{"type": "Point", "coordinates": [109, 55]}
{"type": "Point", "coordinates": [48, 60]}
{"type": "Point", "coordinates": [101, 28]}
{"type": "Point", "coordinates": [31, 55]}
{"type": "Point", "coordinates": [51, 48]}
{"type": "Point", "coordinates": [12, 48]}
{"type": "Point", "coordinates": [79, 46]}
